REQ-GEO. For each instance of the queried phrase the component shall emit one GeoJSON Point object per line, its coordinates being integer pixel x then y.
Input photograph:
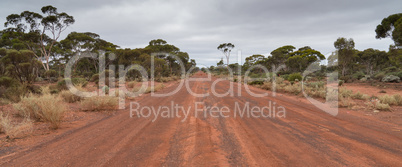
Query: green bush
{"type": "Point", "coordinates": [294, 76]}
{"type": "Point", "coordinates": [95, 78]}
{"type": "Point", "coordinates": [50, 73]}
{"type": "Point", "coordinates": [379, 76]}
{"type": "Point", "coordinates": [257, 82]}
{"type": "Point", "coordinates": [8, 81]}
{"type": "Point", "coordinates": [358, 75]}
{"type": "Point", "coordinates": [76, 81]}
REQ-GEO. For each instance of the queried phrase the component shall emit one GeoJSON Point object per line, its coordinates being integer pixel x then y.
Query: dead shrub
{"type": "Point", "coordinates": [15, 130]}
{"type": "Point", "coordinates": [98, 103]}
{"type": "Point", "coordinates": [46, 107]}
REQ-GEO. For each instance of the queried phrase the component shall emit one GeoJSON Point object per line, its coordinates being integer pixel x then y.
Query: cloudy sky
{"type": "Point", "coordinates": [199, 26]}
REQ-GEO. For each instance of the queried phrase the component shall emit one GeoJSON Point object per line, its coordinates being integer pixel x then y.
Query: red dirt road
{"type": "Point", "coordinates": [307, 136]}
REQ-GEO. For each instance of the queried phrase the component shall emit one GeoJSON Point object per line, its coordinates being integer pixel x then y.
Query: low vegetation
{"type": "Point", "coordinates": [13, 129]}
{"type": "Point", "coordinates": [46, 107]}
{"type": "Point", "coordinates": [98, 103]}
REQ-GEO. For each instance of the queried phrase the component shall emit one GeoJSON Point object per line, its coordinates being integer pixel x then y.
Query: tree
{"type": "Point", "coordinates": [21, 65]}
{"type": "Point", "coordinates": [346, 53]}
{"type": "Point", "coordinates": [391, 26]}
{"type": "Point", "coordinates": [302, 58]}
{"type": "Point", "coordinates": [226, 48]}
{"type": "Point", "coordinates": [37, 27]}
{"type": "Point", "coordinates": [253, 60]}
{"type": "Point", "coordinates": [372, 59]}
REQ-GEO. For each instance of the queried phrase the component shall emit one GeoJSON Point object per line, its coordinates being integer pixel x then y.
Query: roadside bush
{"type": "Point", "coordinates": [360, 96]}
{"type": "Point", "coordinates": [266, 86]}
{"type": "Point", "coordinates": [343, 92]}
{"type": "Point", "coordinates": [47, 108]}
{"type": "Point", "coordinates": [294, 89]}
{"type": "Point", "coordinates": [346, 102]}
{"type": "Point", "coordinates": [98, 103]}
{"type": "Point", "coordinates": [257, 82]}
{"type": "Point", "coordinates": [391, 78]}
{"type": "Point", "coordinates": [395, 99]}
{"type": "Point", "coordinates": [15, 130]}
{"type": "Point", "coordinates": [149, 89]}
{"type": "Point", "coordinates": [295, 77]}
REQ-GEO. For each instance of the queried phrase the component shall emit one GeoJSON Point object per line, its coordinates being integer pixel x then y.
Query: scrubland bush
{"type": "Point", "coordinates": [295, 77]}
{"type": "Point", "coordinates": [13, 129]}
{"type": "Point", "coordinates": [76, 81]}
{"type": "Point", "coordinates": [360, 96]}
{"type": "Point", "coordinates": [131, 84]}
{"type": "Point", "coordinates": [46, 107]}
{"type": "Point", "coordinates": [395, 99]}
{"type": "Point", "coordinates": [69, 97]}
{"type": "Point", "coordinates": [98, 103]}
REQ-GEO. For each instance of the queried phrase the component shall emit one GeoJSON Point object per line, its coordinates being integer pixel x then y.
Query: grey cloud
{"type": "Point", "coordinates": [198, 27]}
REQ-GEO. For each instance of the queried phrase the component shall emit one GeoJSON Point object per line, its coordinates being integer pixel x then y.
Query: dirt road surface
{"type": "Point", "coordinates": [306, 136]}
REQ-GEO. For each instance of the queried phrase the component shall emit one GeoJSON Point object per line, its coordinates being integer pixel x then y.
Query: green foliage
{"type": "Point", "coordinates": [50, 73]}
{"type": "Point", "coordinates": [76, 81]}
{"type": "Point", "coordinates": [21, 65]}
{"type": "Point", "coordinates": [391, 23]}
{"type": "Point", "coordinates": [358, 75]}
{"type": "Point", "coordinates": [295, 77]}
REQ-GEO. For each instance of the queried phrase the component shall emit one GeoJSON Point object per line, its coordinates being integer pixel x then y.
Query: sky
{"type": "Point", "coordinates": [199, 26]}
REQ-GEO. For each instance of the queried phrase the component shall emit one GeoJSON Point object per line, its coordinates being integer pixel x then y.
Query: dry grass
{"type": "Point", "coordinates": [376, 104]}
{"type": "Point", "coordinates": [294, 89]}
{"type": "Point", "coordinates": [346, 102]}
{"type": "Point", "coordinates": [395, 99]}
{"type": "Point", "coordinates": [149, 89]}
{"type": "Point", "coordinates": [98, 103]}
{"type": "Point", "coordinates": [360, 96]}
{"type": "Point", "coordinates": [15, 130]}
{"type": "Point", "coordinates": [69, 97]}
{"type": "Point", "coordinates": [47, 107]}
{"type": "Point", "coordinates": [131, 84]}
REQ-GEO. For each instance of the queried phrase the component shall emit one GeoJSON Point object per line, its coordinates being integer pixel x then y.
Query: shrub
{"type": "Point", "coordinates": [47, 108]}
{"type": "Point", "coordinates": [360, 96]}
{"type": "Point", "coordinates": [341, 82]}
{"type": "Point", "coordinates": [76, 81]}
{"type": "Point", "coordinates": [266, 86]}
{"type": "Point", "coordinates": [381, 106]}
{"type": "Point", "coordinates": [98, 103]}
{"type": "Point", "coordinates": [391, 78]}
{"type": "Point", "coordinates": [358, 75]}
{"type": "Point", "coordinates": [295, 77]}
{"type": "Point", "coordinates": [343, 92]}
{"type": "Point", "coordinates": [8, 81]}
{"type": "Point", "coordinates": [13, 130]}
{"type": "Point", "coordinates": [294, 89]}
{"type": "Point", "coordinates": [95, 78]}
{"type": "Point", "coordinates": [346, 102]}
{"type": "Point", "coordinates": [257, 82]}
{"type": "Point", "coordinates": [395, 99]}
{"type": "Point", "coordinates": [50, 73]}
{"type": "Point", "coordinates": [69, 97]}
{"type": "Point", "coordinates": [131, 84]}
{"type": "Point", "coordinates": [379, 76]}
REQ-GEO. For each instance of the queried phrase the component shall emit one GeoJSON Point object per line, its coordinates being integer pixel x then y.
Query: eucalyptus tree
{"type": "Point", "coordinates": [39, 33]}
{"type": "Point", "coordinates": [226, 48]}
{"type": "Point", "coordinates": [391, 27]}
